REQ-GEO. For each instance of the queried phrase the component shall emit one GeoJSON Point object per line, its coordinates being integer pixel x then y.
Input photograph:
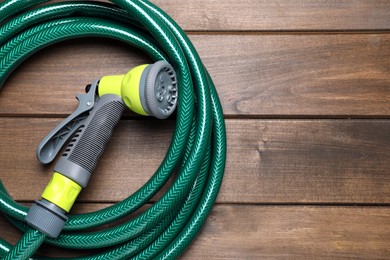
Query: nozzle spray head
{"type": "Point", "coordinates": [145, 89]}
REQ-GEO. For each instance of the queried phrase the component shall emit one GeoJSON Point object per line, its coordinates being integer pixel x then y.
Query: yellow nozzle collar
{"type": "Point", "coordinates": [61, 191]}
{"type": "Point", "coordinates": [125, 86]}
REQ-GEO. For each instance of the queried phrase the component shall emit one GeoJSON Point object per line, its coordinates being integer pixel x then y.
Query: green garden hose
{"type": "Point", "coordinates": [197, 151]}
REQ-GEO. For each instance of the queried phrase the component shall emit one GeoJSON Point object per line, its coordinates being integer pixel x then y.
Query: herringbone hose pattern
{"type": "Point", "coordinates": [197, 150]}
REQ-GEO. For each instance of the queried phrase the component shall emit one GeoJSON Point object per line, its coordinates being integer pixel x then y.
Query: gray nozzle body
{"type": "Point", "coordinates": [79, 160]}
{"type": "Point", "coordinates": [87, 145]}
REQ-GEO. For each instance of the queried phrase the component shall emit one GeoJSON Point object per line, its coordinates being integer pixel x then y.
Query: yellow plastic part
{"type": "Point", "coordinates": [111, 85]}
{"type": "Point", "coordinates": [126, 86]}
{"type": "Point", "coordinates": [61, 191]}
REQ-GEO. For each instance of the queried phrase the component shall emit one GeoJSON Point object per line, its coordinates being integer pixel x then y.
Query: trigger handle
{"type": "Point", "coordinates": [50, 146]}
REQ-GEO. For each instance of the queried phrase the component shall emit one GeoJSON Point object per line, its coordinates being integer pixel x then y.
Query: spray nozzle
{"type": "Point", "coordinates": [146, 89]}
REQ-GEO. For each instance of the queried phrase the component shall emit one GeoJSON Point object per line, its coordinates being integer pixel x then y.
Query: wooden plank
{"type": "Point", "coordinates": [281, 15]}
{"type": "Point", "coordinates": [343, 75]}
{"type": "Point", "coordinates": [268, 161]}
{"type": "Point", "coordinates": [293, 232]}
{"type": "Point", "coordinates": [279, 232]}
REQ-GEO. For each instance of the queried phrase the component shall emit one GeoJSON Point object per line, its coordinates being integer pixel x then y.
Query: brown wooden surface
{"type": "Point", "coordinates": [305, 87]}
{"type": "Point", "coordinates": [269, 161]}
{"type": "Point", "coordinates": [304, 232]}
{"type": "Point", "coordinates": [259, 75]}
{"type": "Point", "coordinates": [280, 15]}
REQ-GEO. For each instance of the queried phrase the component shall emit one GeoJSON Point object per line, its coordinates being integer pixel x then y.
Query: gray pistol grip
{"type": "Point", "coordinates": [87, 145]}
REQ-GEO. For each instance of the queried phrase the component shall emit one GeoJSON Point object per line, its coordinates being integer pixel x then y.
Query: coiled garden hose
{"type": "Point", "coordinates": [197, 151]}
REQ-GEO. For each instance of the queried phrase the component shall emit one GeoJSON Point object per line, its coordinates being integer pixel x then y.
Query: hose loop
{"type": "Point", "coordinates": [197, 150]}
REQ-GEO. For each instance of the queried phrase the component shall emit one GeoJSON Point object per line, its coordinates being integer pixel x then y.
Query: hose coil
{"type": "Point", "coordinates": [198, 147]}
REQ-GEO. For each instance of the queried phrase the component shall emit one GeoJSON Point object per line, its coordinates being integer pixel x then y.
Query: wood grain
{"type": "Point", "coordinates": [281, 15]}
{"type": "Point", "coordinates": [279, 232]}
{"type": "Point", "coordinates": [268, 76]}
{"type": "Point", "coordinates": [269, 161]}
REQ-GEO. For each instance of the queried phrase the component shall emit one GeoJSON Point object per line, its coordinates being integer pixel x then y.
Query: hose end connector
{"type": "Point", "coordinates": [47, 218]}
{"type": "Point", "coordinates": [48, 215]}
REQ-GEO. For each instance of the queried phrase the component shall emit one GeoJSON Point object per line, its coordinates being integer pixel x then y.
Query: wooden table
{"type": "Point", "coordinates": [305, 87]}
